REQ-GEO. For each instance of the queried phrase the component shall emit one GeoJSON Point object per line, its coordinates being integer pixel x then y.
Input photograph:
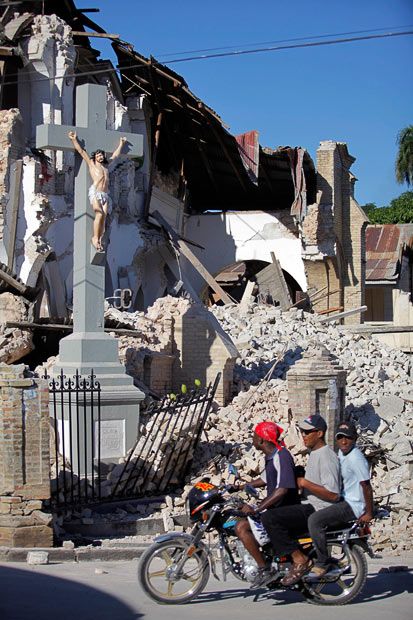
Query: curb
{"type": "Point", "coordinates": [85, 554]}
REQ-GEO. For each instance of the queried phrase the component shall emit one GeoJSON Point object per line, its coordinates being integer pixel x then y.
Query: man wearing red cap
{"type": "Point", "coordinates": [279, 478]}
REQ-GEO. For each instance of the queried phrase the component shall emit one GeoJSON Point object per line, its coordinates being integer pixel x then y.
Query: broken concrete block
{"type": "Point", "coordinates": [37, 557]}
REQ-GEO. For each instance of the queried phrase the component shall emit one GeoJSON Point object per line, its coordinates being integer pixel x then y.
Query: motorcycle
{"type": "Point", "coordinates": [176, 568]}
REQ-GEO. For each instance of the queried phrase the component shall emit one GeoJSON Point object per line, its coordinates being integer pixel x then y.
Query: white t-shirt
{"type": "Point", "coordinates": [354, 469]}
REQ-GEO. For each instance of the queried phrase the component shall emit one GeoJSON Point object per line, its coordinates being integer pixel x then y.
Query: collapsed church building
{"type": "Point", "coordinates": [202, 218]}
{"type": "Point", "coordinates": [235, 199]}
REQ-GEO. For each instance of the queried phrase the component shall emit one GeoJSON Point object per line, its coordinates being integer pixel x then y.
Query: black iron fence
{"type": "Point", "coordinates": [158, 462]}
{"type": "Point", "coordinates": [76, 425]}
{"type": "Point", "coordinates": [163, 454]}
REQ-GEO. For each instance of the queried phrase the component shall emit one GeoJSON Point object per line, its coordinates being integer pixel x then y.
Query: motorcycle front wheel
{"type": "Point", "coordinates": [160, 579]}
{"type": "Point", "coordinates": [352, 574]}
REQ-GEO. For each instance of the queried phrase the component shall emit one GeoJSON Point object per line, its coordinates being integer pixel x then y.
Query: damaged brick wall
{"type": "Point", "coordinates": [202, 350]}
{"type": "Point", "coordinates": [24, 460]}
{"type": "Point", "coordinates": [334, 233]}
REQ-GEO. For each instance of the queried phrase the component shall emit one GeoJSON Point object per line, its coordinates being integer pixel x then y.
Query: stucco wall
{"type": "Point", "coordinates": [241, 236]}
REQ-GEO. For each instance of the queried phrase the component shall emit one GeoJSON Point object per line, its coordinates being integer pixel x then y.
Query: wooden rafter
{"type": "Point", "coordinates": [162, 109]}
{"type": "Point", "coordinates": [226, 153]}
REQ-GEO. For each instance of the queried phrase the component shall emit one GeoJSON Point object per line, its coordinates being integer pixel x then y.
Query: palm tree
{"type": "Point", "coordinates": [404, 161]}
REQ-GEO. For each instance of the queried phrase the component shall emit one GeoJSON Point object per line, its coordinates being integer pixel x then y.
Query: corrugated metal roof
{"type": "Point", "coordinates": [384, 246]}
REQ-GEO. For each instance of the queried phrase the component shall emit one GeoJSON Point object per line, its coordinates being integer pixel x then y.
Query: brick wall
{"type": "Point", "coordinates": [202, 350]}
{"type": "Point", "coordinates": [24, 459]}
{"type": "Point", "coordinates": [345, 267]}
{"type": "Point", "coordinates": [316, 384]}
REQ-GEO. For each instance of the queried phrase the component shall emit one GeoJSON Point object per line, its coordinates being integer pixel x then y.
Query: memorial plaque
{"type": "Point", "coordinates": [112, 439]}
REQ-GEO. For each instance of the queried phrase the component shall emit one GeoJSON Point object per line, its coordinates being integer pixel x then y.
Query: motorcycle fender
{"type": "Point", "coordinates": [189, 539]}
{"type": "Point", "coordinates": [366, 547]}
{"type": "Point", "coordinates": [171, 535]}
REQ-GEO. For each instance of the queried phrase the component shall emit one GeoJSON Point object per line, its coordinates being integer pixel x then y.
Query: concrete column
{"type": "Point", "coordinates": [317, 384]}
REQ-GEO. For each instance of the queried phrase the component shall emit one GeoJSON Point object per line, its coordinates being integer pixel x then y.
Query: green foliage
{"type": "Point", "coordinates": [399, 211]}
{"type": "Point", "coordinates": [404, 160]}
{"type": "Point", "coordinates": [369, 208]}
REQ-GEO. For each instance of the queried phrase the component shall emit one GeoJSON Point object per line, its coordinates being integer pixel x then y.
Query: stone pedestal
{"type": "Point", "coordinates": [115, 409]}
{"type": "Point", "coordinates": [317, 384]}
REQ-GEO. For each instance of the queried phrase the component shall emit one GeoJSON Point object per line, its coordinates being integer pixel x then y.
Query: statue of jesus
{"type": "Point", "coordinates": [99, 197]}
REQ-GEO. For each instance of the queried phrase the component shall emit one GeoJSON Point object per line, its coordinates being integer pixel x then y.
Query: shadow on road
{"type": "Point", "coordinates": [379, 586]}
{"type": "Point", "coordinates": [29, 594]}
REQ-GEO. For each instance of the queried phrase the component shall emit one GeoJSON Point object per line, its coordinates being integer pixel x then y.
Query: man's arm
{"type": "Point", "coordinates": [367, 516]}
{"type": "Point", "coordinates": [119, 148]}
{"type": "Point", "coordinates": [73, 137]}
{"type": "Point", "coordinates": [272, 500]}
{"type": "Point", "coordinates": [318, 490]}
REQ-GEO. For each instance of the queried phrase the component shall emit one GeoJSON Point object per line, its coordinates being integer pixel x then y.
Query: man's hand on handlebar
{"type": "Point", "coordinates": [365, 518]}
{"type": "Point", "coordinates": [247, 510]}
{"type": "Point", "coordinates": [234, 488]}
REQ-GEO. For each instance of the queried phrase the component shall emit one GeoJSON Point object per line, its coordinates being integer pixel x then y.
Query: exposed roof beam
{"type": "Point", "coordinates": [227, 154]}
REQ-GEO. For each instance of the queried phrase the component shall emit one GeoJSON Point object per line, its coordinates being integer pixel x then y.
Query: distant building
{"type": "Point", "coordinates": [389, 280]}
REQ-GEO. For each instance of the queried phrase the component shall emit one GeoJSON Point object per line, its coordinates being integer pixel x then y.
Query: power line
{"type": "Point", "coordinates": [218, 55]}
{"type": "Point", "coordinates": [285, 47]}
{"type": "Point", "coordinates": [228, 47]}
{"type": "Point", "coordinates": [276, 42]}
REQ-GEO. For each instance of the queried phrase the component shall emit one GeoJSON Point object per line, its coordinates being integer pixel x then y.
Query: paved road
{"type": "Point", "coordinates": [77, 592]}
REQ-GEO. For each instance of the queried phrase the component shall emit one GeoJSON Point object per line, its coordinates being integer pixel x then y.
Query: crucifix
{"type": "Point", "coordinates": [89, 347]}
{"type": "Point", "coordinates": [88, 262]}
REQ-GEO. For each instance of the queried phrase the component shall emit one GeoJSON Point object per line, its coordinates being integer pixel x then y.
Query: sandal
{"type": "Point", "coordinates": [296, 572]}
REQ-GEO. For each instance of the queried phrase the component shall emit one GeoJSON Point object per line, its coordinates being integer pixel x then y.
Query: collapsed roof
{"type": "Point", "coordinates": [193, 139]}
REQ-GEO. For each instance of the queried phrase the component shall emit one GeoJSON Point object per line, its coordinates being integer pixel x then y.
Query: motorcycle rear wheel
{"type": "Point", "coordinates": [158, 580]}
{"type": "Point", "coordinates": [344, 589]}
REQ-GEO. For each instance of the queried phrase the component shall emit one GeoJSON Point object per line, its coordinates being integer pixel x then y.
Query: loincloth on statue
{"type": "Point", "coordinates": [101, 197]}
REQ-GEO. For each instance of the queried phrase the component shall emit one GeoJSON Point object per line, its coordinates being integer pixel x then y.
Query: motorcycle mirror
{"type": "Point", "coordinates": [251, 490]}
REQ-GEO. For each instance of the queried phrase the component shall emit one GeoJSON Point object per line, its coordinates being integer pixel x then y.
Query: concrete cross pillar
{"type": "Point", "coordinates": [89, 347]}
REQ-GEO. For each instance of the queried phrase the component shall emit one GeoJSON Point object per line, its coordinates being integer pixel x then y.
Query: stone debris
{"type": "Point", "coordinates": [378, 378]}
{"type": "Point", "coordinates": [37, 557]}
{"type": "Point", "coordinates": [269, 342]}
{"type": "Point", "coordinates": [15, 343]}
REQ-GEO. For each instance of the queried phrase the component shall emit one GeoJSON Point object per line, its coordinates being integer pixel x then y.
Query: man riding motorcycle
{"type": "Point", "coordinates": [279, 477]}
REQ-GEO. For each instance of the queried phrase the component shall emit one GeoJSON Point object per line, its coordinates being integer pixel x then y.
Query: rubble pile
{"type": "Point", "coordinates": [377, 398]}
{"type": "Point", "coordinates": [378, 382]}
{"type": "Point", "coordinates": [14, 343]}
{"type": "Point", "coordinates": [154, 332]}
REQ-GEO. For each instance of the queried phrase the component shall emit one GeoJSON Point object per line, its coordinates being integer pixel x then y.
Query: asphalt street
{"type": "Point", "coordinates": [109, 590]}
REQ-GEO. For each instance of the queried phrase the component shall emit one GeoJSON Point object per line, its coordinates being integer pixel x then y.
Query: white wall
{"type": "Point", "coordinates": [240, 236]}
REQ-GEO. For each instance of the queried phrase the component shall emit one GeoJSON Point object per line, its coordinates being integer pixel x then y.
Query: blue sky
{"type": "Point", "coordinates": [360, 93]}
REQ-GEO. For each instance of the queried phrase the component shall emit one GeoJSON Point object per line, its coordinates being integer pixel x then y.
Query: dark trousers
{"type": "Point", "coordinates": [333, 516]}
{"type": "Point", "coordinates": [285, 523]}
